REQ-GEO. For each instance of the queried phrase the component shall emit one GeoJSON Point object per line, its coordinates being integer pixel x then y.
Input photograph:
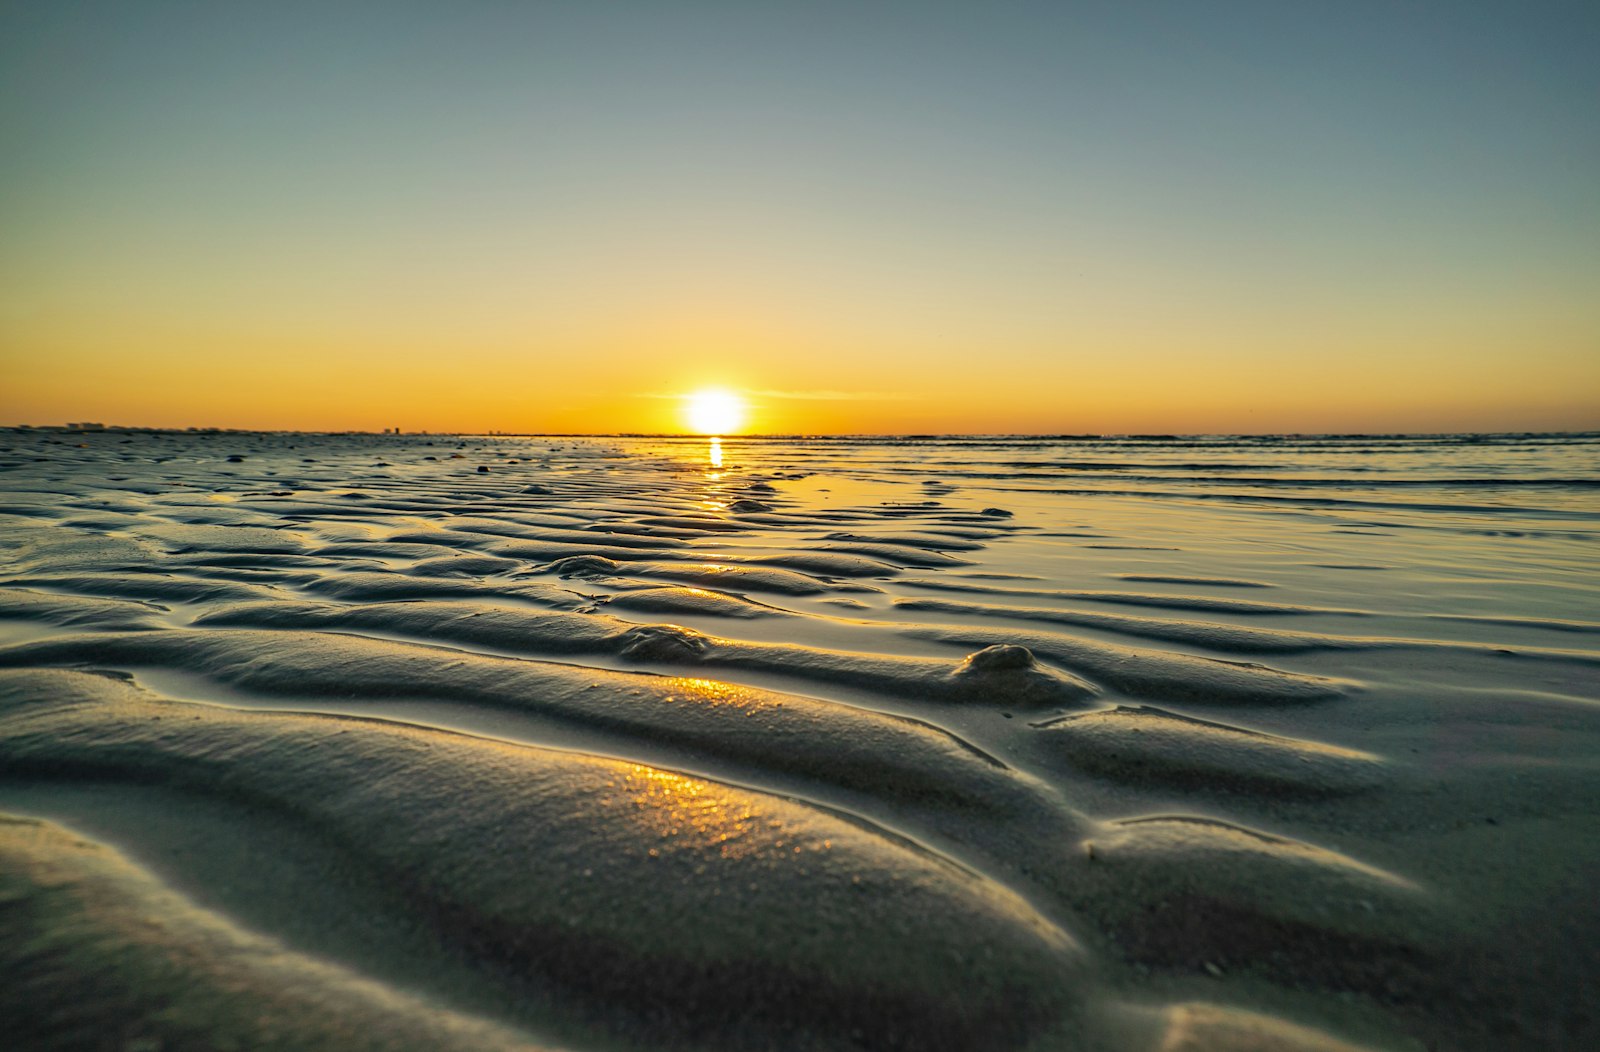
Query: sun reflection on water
{"type": "Point", "coordinates": [715, 454]}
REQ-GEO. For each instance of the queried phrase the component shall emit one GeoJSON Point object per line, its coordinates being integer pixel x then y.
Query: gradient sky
{"type": "Point", "coordinates": [1051, 217]}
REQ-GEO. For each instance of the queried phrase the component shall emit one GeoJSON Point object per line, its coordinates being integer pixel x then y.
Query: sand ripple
{"type": "Point", "coordinates": [603, 747]}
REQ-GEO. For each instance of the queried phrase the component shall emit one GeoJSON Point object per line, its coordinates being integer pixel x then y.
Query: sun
{"type": "Point", "coordinates": [715, 412]}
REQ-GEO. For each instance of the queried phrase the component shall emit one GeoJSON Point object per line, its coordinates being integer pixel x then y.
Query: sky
{"type": "Point", "coordinates": [859, 217]}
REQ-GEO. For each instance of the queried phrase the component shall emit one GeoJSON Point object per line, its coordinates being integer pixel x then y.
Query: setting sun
{"type": "Point", "coordinates": [715, 412]}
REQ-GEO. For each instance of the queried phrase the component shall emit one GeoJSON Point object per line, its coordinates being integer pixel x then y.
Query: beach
{"type": "Point", "coordinates": [318, 741]}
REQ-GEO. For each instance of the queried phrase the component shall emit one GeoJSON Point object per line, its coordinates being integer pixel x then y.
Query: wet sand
{"type": "Point", "coordinates": [405, 742]}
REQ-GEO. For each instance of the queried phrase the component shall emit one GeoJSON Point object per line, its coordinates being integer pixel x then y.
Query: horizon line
{"type": "Point", "coordinates": [91, 427]}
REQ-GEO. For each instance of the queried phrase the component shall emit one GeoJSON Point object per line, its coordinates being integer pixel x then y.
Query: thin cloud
{"type": "Point", "coordinates": [806, 396]}
{"type": "Point", "coordinates": [831, 396]}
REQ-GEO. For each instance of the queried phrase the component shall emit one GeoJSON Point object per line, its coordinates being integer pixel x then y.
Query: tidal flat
{"type": "Point", "coordinates": [524, 742]}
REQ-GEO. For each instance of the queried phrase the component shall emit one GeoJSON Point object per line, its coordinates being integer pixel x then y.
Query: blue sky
{"type": "Point", "coordinates": [931, 200]}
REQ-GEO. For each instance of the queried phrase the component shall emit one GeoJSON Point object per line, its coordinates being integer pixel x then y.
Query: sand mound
{"type": "Point", "coordinates": [100, 955]}
{"type": "Point", "coordinates": [1146, 745]}
{"type": "Point", "coordinates": [595, 876]}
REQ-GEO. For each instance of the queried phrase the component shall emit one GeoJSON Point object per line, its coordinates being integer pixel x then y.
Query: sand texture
{"type": "Point", "coordinates": [340, 742]}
